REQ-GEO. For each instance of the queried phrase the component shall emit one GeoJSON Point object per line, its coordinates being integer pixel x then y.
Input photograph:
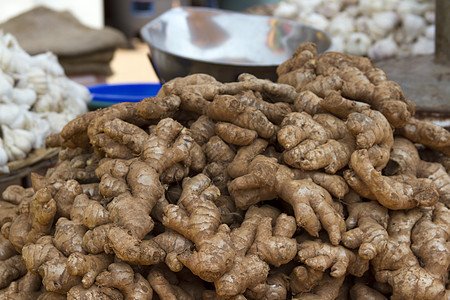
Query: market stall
{"type": "Point", "coordinates": [321, 180]}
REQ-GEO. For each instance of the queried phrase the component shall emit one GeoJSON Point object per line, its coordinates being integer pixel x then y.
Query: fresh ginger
{"type": "Point", "coordinates": [122, 277]}
{"type": "Point", "coordinates": [11, 269]}
{"type": "Point", "coordinates": [315, 142]}
{"type": "Point", "coordinates": [228, 108]}
{"type": "Point", "coordinates": [239, 165]}
{"type": "Point", "coordinates": [257, 246]}
{"type": "Point", "coordinates": [282, 92]}
{"type": "Point", "coordinates": [430, 241]}
{"type": "Point", "coordinates": [162, 286]}
{"type": "Point", "coordinates": [405, 161]}
{"type": "Point", "coordinates": [372, 132]}
{"type": "Point", "coordinates": [93, 292]}
{"type": "Point", "coordinates": [426, 133]}
{"type": "Point", "coordinates": [399, 267]}
{"type": "Point", "coordinates": [362, 291]}
{"type": "Point", "coordinates": [366, 224]}
{"type": "Point", "coordinates": [275, 112]}
{"type": "Point", "coordinates": [321, 256]}
{"type": "Point", "coordinates": [313, 205]}
{"type": "Point", "coordinates": [168, 197]}
{"type": "Point", "coordinates": [393, 193]}
{"type": "Point", "coordinates": [46, 260]}
{"type": "Point", "coordinates": [197, 218]}
{"type": "Point", "coordinates": [235, 135]}
{"type": "Point", "coordinates": [27, 287]}
{"type": "Point", "coordinates": [34, 223]}
{"type": "Point", "coordinates": [87, 266]}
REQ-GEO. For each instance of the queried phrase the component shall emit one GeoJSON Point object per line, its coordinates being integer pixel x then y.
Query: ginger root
{"type": "Point", "coordinates": [168, 197]}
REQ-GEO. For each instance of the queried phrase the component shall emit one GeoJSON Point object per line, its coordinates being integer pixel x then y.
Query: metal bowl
{"type": "Point", "coordinates": [224, 44]}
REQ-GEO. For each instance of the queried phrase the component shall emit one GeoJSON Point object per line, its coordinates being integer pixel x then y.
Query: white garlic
{"type": "Point", "coordinates": [6, 87]}
{"type": "Point", "coordinates": [330, 8]}
{"type": "Point", "coordinates": [382, 24]}
{"type": "Point", "coordinates": [35, 79]}
{"type": "Point", "coordinates": [24, 96]}
{"type": "Point", "coordinates": [369, 7]}
{"type": "Point", "coordinates": [286, 10]}
{"type": "Point", "coordinates": [36, 99]}
{"type": "Point", "coordinates": [384, 48]}
{"type": "Point", "coordinates": [378, 19]}
{"type": "Point", "coordinates": [316, 20]}
{"type": "Point", "coordinates": [341, 25]}
{"type": "Point", "coordinates": [411, 7]}
{"type": "Point", "coordinates": [413, 26]}
{"type": "Point", "coordinates": [41, 128]}
{"type": "Point", "coordinates": [13, 115]}
{"type": "Point", "coordinates": [337, 44]}
{"type": "Point", "coordinates": [430, 32]}
{"type": "Point", "coordinates": [48, 62]}
{"type": "Point", "coordinates": [17, 142]}
{"type": "Point", "coordinates": [3, 158]}
{"type": "Point", "coordinates": [422, 46]}
{"type": "Point", "coordinates": [358, 43]}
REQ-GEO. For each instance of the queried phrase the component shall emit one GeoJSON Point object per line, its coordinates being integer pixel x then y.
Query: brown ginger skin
{"type": "Point", "coordinates": [362, 291]}
{"type": "Point", "coordinates": [249, 267]}
{"type": "Point", "coordinates": [93, 292]}
{"type": "Point", "coordinates": [426, 133]}
{"type": "Point", "coordinates": [372, 132]}
{"type": "Point", "coordinates": [235, 135]}
{"type": "Point", "coordinates": [239, 165]}
{"type": "Point", "coordinates": [313, 205]}
{"type": "Point", "coordinates": [122, 277]}
{"type": "Point", "coordinates": [197, 218]}
{"type": "Point", "coordinates": [366, 224]}
{"type": "Point", "coordinates": [28, 287]}
{"type": "Point", "coordinates": [275, 112]}
{"type": "Point", "coordinates": [430, 238]}
{"type": "Point", "coordinates": [312, 143]}
{"type": "Point", "coordinates": [227, 108]}
{"type": "Point", "coordinates": [88, 266]}
{"type": "Point", "coordinates": [46, 260]}
{"type": "Point", "coordinates": [30, 226]}
{"type": "Point", "coordinates": [321, 256]}
{"type": "Point", "coordinates": [399, 267]}
{"type": "Point", "coordinates": [282, 92]}
{"type": "Point", "coordinates": [393, 193]}
{"type": "Point", "coordinates": [405, 161]}
{"type": "Point", "coordinates": [163, 287]}
{"type": "Point", "coordinates": [11, 269]}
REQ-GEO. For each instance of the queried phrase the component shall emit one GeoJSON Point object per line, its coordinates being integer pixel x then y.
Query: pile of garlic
{"type": "Point", "coordinates": [374, 28]}
{"type": "Point", "coordinates": [36, 99]}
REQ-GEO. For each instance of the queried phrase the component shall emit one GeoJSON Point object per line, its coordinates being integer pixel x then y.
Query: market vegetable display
{"type": "Point", "coordinates": [36, 100]}
{"type": "Point", "coordinates": [378, 29]}
{"type": "Point", "coordinates": [307, 188]}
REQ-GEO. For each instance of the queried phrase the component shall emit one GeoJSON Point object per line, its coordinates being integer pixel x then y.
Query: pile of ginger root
{"type": "Point", "coordinates": [322, 185]}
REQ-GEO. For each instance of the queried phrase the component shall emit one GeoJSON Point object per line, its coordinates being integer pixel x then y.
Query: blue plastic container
{"type": "Point", "coordinates": [104, 95]}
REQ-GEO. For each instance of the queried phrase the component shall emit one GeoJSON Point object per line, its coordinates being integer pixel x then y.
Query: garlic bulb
{"type": "Point", "coordinates": [6, 87]}
{"type": "Point", "coordinates": [358, 43]}
{"type": "Point", "coordinates": [48, 62]}
{"type": "Point", "coordinates": [3, 158]}
{"type": "Point", "coordinates": [382, 23]}
{"type": "Point", "coordinates": [17, 142]}
{"type": "Point", "coordinates": [406, 21]}
{"type": "Point", "coordinates": [36, 99]}
{"type": "Point", "coordinates": [383, 48]}
{"type": "Point", "coordinates": [413, 26]}
{"type": "Point", "coordinates": [24, 96]}
{"type": "Point", "coordinates": [423, 46]}
{"type": "Point", "coordinates": [13, 115]}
